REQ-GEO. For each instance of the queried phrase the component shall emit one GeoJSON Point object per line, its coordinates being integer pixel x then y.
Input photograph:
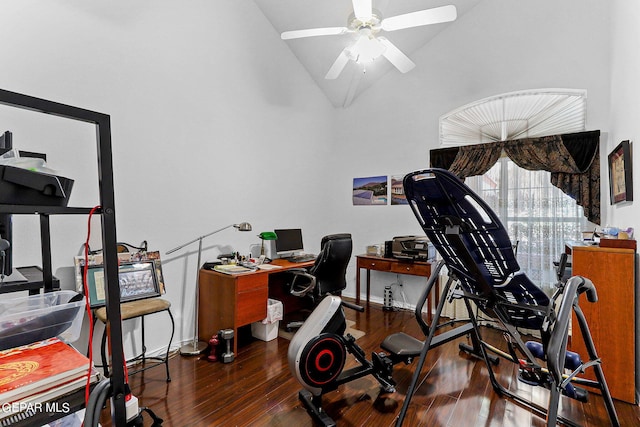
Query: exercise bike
{"type": "Point", "coordinates": [318, 351]}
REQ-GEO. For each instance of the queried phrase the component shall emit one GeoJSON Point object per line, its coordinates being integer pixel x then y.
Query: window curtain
{"type": "Point", "coordinates": [573, 160]}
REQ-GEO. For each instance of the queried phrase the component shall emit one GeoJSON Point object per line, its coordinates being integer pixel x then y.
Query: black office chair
{"type": "Point", "coordinates": [327, 276]}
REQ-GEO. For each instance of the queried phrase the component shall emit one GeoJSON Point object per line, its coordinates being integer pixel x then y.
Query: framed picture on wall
{"type": "Point", "coordinates": [397, 190]}
{"type": "Point", "coordinates": [370, 191]}
{"type": "Point", "coordinates": [620, 182]}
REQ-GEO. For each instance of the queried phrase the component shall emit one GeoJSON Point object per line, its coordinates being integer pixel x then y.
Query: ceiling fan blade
{"type": "Point", "coordinates": [362, 9]}
{"type": "Point", "coordinates": [396, 57]}
{"type": "Point", "coordinates": [312, 32]}
{"type": "Point", "coordinates": [338, 66]}
{"type": "Point", "coordinates": [419, 18]}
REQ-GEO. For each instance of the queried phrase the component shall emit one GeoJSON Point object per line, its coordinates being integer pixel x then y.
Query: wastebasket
{"type": "Point", "coordinates": [267, 330]}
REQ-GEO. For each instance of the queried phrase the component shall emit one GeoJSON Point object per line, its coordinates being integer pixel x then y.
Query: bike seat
{"type": "Point", "coordinates": [403, 345]}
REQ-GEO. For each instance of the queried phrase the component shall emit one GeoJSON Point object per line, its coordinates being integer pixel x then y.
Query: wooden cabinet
{"type": "Point", "coordinates": [612, 319]}
{"type": "Point", "coordinates": [373, 263]}
{"type": "Point", "coordinates": [228, 302]}
{"type": "Point", "coordinates": [411, 268]}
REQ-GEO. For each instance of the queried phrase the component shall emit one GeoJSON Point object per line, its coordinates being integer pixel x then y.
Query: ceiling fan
{"type": "Point", "coordinates": [365, 23]}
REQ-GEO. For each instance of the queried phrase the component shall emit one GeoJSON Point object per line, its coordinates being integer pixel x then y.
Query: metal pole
{"type": "Point", "coordinates": [196, 239]}
{"type": "Point", "coordinates": [196, 347]}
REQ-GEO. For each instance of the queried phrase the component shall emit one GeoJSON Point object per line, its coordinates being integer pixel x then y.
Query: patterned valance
{"type": "Point", "coordinates": [573, 160]}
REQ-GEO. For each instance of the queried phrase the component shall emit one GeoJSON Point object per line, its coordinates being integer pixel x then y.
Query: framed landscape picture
{"type": "Point", "coordinates": [620, 179]}
{"type": "Point", "coordinates": [370, 191]}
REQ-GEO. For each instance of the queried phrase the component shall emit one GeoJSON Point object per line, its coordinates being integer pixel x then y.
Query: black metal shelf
{"type": "Point", "coordinates": [35, 282]}
{"type": "Point", "coordinates": [47, 210]}
{"type": "Point", "coordinates": [107, 215]}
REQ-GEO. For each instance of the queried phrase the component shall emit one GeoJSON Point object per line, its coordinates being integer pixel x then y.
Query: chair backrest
{"type": "Point", "coordinates": [474, 245]}
{"type": "Point", "coordinates": [330, 268]}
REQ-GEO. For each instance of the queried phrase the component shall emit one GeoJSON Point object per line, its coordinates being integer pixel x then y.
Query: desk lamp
{"type": "Point", "coordinates": [266, 235]}
{"type": "Point", "coordinates": [197, 347]}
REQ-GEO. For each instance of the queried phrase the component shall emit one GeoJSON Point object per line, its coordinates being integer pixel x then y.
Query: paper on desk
{"type": "Point", "coordinates": [269, 267]}
{"type": "Point", "coordinates": [231, 269]}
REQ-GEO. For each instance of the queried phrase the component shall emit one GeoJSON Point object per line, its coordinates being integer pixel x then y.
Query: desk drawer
{"type": "Point", "coordinates": [252, 281]}
{"type": "Point", "coordinates": [374, 264]}
{"type": "Point", "coordinates": [252, 306]}
{"type": "Point", "coordinates": [412, 269]}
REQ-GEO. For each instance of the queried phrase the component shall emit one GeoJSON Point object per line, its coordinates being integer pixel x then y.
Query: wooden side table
{"type": "Point", "coordinates": [391, 265]}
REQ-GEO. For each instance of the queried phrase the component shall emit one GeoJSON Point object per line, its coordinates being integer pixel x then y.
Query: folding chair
{"type": "Point", "coordinates": [479, 256]}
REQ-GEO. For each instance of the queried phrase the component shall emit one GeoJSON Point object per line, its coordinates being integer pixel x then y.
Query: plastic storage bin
{"type": "Point", "coordinates": [25, 320]}
{"type": "Point", "coordinates": [267, 330]}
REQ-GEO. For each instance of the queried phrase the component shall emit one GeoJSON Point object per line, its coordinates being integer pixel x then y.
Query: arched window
{"type": "Point", "coordinates": [521, 149]}
{"type": "Point", "coordinates": [515, 115]}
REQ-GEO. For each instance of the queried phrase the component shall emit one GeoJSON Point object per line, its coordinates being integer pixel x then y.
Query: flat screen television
{"type": "Point", "coordinates": [289, 242]}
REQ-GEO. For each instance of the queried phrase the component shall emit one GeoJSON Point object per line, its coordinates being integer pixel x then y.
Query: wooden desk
{"type": "Point", "coordinates": [229, 301]}
{"type": "Point", "coordinates": [391, 265]}
{"type": "Point", "coordinates": [612, 319]}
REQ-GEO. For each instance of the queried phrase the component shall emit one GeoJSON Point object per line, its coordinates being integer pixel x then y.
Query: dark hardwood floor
{"type": "Point", "coordinates": [257, 389]}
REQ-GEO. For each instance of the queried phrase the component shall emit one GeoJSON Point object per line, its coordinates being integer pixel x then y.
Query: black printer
{"type": "Point", "coordinates": [28, 186]}
{"type": "Point", "coordinates": [416, 248]}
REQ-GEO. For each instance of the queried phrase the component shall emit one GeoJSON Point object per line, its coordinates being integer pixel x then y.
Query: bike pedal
{"type": "Point", "coordinates": [532, 378]}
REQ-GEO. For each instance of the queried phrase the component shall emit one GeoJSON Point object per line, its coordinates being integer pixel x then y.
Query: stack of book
{"type": "Point", "coordinates": [32, 375]}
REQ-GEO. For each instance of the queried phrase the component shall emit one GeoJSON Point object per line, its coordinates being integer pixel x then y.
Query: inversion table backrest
{"type": "Point", "coordinates": [475, 247]}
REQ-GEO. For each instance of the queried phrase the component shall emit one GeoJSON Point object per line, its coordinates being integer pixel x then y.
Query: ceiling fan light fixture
{"type": "Point", "coordinates": [366, 49]}
{"type": "Point", "coordinates": [372, 22]}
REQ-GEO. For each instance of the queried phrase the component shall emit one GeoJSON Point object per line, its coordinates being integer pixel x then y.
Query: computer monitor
{"type": "Point", "coordinates": [289, 242]}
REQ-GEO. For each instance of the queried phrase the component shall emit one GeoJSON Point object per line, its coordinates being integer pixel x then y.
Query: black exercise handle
{"type": "Point", "coordinates": [586, 285]}
{"type": "Point", "coordinates": [353, 306]}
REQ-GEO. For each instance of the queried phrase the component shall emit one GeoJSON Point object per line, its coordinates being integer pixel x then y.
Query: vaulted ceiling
{"type": "Point", "coordinates": [317, 54]}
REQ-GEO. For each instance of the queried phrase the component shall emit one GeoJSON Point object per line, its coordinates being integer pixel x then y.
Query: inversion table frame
{"type": "Point", "coordinates": [478, 254]}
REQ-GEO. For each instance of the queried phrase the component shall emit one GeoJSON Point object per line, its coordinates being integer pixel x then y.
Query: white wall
{"type": "Point", "coordinates": [212, 118]}
{"type": "Point", "coordinates": [499, 46]}
{"type": "Point", "coordinates": [625, 92]}
{"type": "Point", "coordinates": [625, 109]}
{"type": "Point", "coordinates": [207, 105]}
